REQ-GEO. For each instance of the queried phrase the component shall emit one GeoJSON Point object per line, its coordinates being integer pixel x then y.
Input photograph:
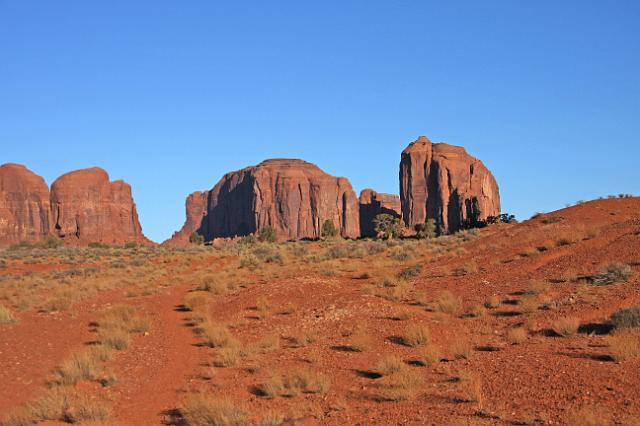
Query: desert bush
{"type": "Point", "coordinates": [116, 338]}
{"type": "Point", "coordinates": [529, 304]}
{"type": "Point", "coordinates": [361, 340]}
{"type": "Point", "coordinates": [214, 285]}
{"type": "Point", "coordinates": [492, 302]}
{"type": "Point", "coordinates": [216, 335]}
{"type": "Point", "coordinates": [467, 268]}
{"type": "Point", "coordinates": [268, 253]}
{"type": "Point", "coordinates": [249, 261]}
{"type": "Point", "coordinates": [78, 367]}
{"type": "Point", "coordinates": [227, 357]}
{"type": "Point", "coordinates": [390, 365]}
{"type": "Point", "coordinates": [399, 293]}
{"type": "Point", "coordinates": [410, 272]}
{"type": "Point", "coordinates": [5, 315]}
{"type": "Point", "coordinates": [426, 230]}
{"type": "Point", "coordinates": [429, 356]}
{"type": "Point", "coordinates": [387, 226]}
{"type": "Point", "coordinates": [304, 337]}
{"type": "Point", "coordinates": [476, 311]}
{"type": "Point", "coordinates": [624, 345]}
{"type": "Point", "coordinates": [447, 303]}
{"type": "Point", "coordinates": [612, 273]}
{"type": "Point", "coordinates": [517, 335]}
{"type": "Point", "coordinates": [196, 239]}
{"type": "Point", "coordinates": [267, 235]}
{"type": "Point", "coordinates": [415, 336]}
{"type": "Point", "coordinates": [626, 318]}
{"type": "Point", "coordinates": [461, 349]}
{"type": "Point", "coordinates": [329, 229]}
{"type": "Point", "coordinates": [209, 410]}
{"type": "Point", "coordinates": [566, 327]}
{"type": "Point", "coordinates": [294, 382]}
{"type": "Point", "coordinates": [401, 386]}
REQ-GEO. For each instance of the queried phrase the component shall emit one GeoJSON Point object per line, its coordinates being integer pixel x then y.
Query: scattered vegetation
{"type": "Point", "coordinates": [208, 410]}
{"type": "Point", "coordinates": [566, 327]}
{"type": "Point", "coordinates": [626, 318]}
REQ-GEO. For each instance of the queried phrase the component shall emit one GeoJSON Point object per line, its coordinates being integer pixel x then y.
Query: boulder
{"type": "Point", "coordinates": [24, 205]}
{"type": "Point", "coordinates": [444, 183]}
{"type": "Point", "coordinates": [373, 203]}
{"type": "Point", "coordinates": [293, 197]}
{"type": "Point", "coordinates": [86, 207]}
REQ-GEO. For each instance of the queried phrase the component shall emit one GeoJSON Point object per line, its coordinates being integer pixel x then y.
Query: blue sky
{"type": "Point", "coordinates": [170, 95]}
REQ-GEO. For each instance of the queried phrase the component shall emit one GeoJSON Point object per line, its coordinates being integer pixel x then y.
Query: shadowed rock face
{"type": "Point", "coordinates": [373, 203]}
{"type": "Point", "coordinates": [444, 183]}
{"type": "Point", "coordinates": [292, 196]}
{"type": "Point", "coordinates": [86, 208]}
{"type": "Point", "coordinates": [24, 205]}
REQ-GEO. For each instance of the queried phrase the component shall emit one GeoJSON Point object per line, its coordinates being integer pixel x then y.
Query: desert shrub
{"type": "Point", "coordinates": [214, 285]}
{"type": "Point", "coordinates": [624, 345]}
{"type": "Point", "coordinates": [426, 230]}
{"type": "Point", "coordinates": [476, 311]}
{"type": "Point", "coordinates": [415, 336]}
{"type": "Point", "coordinates": [294, 382]}
{"type": "Point", "coordinates": [375, 247]}
{"type": "Point", "coordinates": [565, 327]}
{"type": "Point", "coordinates": [208, 410]}
{"type": "Point", "coordinates": [626, 318]}
{"type": "Point", "coordinates": [60, 404]}
{"type": "Point", "coordinates": [461, 349]}
{"type": "Point", "coordinates": [196, 239]}
{"type": "Point", "coordinates": [329, 229]}
{"type": "Point", "coordinates": [267, 235]}
{"type": "Point", "coordinates": [85, 408]}
{"type": "Point", "coordinates": [447, 303]}
{"type": "Point", "coordinates": [410, 272]}
{"type": "Point", "coordinates": [130, 245]}
{"type": "Point", "coordinates": [516, 336]}
{"type": "Point", "coordinates": [529, 304]}
{"type": "Point", "coordinates": [116, 338]}
{"type": "Point", "coordinates": [612, 273]}
{"type": "Point", "coordinates": [249, 261]}
{"type": "Point", "coordinates": [268, 253]}
{"type": "Point", "coordinates": [387, 226]}
{"type": "Point", "coordinates": [78, 367]}
{"type": "Point", "coordinates": [361, 341]}
{"type": "Point", "coordinates": [401, 386]}
{"type": "Point", "coordinates": [216, 335]}
{"type": "Point", "coordinates": [227, 357]}
{"type": "Point", "coordinates": [303, 337]}
{"type": "Point", "coordinates": [390, 365]}
{"type": "Point", "coordinates": [5, 315]}
{"type": "Point", "coordinates": [338, 251]}
{"type": "Point", "coordinates": [429, 355]}
{"type": "Point", "coordinates": [58, 303]}
{"type": "Point", "coordinates": [466, 269]}
{"type": "Point", "coordinates": [492, 302]}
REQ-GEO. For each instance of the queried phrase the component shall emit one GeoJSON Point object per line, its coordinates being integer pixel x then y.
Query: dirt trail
{"type": "Point", "coordinates": [157, 368]}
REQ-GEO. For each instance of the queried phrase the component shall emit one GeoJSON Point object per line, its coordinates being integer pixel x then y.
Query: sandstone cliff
{"type": "Point", "coordinates": [444, 183]}
{"type": "Point", "coordinates": [373, 203]}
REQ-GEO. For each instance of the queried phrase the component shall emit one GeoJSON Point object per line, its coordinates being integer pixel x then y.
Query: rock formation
{"type": "Point", "coordinates": [24, 205]}
{"type": "Point", "coordinates": [196, 209]}
{"type": "Point", "coordinates": [292, 196]}
{"type": "Point", "coordinates": [444, 183]}
{"type": "Point", "coordinates": [373, 203]}
{"type": "Point", "coordinates": [86, 208]}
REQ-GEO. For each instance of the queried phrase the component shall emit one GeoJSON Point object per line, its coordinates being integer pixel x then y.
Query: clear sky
{"type": "Point", "coordinates": [170, 95]}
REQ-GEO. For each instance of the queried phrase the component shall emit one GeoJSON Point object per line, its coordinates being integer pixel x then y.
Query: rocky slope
{"type": "Point", "coordinates": [292, 196]}
{"type": "Point", "coordinates": [373, 203]}
{"type": "Point", "coordinates": [444, 183]}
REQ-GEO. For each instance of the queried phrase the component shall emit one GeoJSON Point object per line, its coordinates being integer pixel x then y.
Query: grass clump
{"type": "Point", "coordinates": [5, 316]}
{"type": "Point", "coordinates": [390, 365]}
{"type": "Point", "coordinates": [429, 356]}
{"type": "Point", "coordinates": [612, 273]}
{"type": "Point", "coordinates": [208, 410]}
{"type": "Point", "coordinates": [80, 366]}
{"type": "Point", "coordinates": [624, 345]}
{"type": "Point", "coordinates": [517, 336]}
{"type": "Point", "coordinates": [416, 336]}
{"type": "Point", "coordinates": [626, 318]}
{"type": "Point", "coordinates": [295, 382]}
{"type": "Point", "coordinates": [216, 335]}
{"type": "Point", "coordinates": [461, 349]}
{"type": "Point", "coordinates": [566, 327]}
{"type": "Point", "coordinates": [447, 303]}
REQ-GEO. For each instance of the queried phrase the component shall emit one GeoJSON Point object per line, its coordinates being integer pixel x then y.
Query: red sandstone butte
{"type": "Point", "coordinates": [373, 203]}
{"type": "Point", "coordinates": [86, 207]}
{"type": "Point", "coordinates": [292, 196]}
{"type": "Point", "coordinates": [24, 205]}
{"type": "Point", "coordinates": [444, 183]}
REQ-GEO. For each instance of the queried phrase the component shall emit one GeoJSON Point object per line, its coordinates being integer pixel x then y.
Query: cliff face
{"type": "Point", "coordinates": [87, 207]}
{"type": "Point", "coordinates": [24, 205]}
{"type": "Point", "coordinates": [444, 183]}
{"type": "Point", "coordinates": [373, 203]}
{"type": "Point", "coordinates": [292, 196]}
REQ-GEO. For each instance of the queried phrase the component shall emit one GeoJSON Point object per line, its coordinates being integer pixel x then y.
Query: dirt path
{"type": "Point", "coordinates": [155, 372]}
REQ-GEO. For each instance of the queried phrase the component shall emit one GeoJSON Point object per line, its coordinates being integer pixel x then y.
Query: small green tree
{"type": "Point", "coordinates": [426, 230]}
{"type": "Point", "coordinates": [387, 226]}
{"type": "Point", "coordinates": [267, 235]}
{"type": "Point", "coordinates": [328, 229]}
{"type": "Point", "coordinates": [196, 238]}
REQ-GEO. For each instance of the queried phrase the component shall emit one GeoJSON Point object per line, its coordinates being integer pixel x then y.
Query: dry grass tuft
{"type": "Point", "coordinates": [477, 311]}
{"type": "Point", "coordinates": [471, 387]}
{"type": "Point", "coordinates": [589, 416]}
{"type": "Point", "coordinates": [624, 345]}
{"type": "Point", "coordinates": [295, 382]}
{"type": "Point", "coordinates": [429, 356]}
{"type": "Point", "coordinates": [78, 367]}
{"type": "Point", "coordinates": [447, 303]}
{"type": "Point", "coordinates": [227, 357]}
{"type": "Point", "coordinates": [196, 302]}
{"type": "Point", "coordinates": [529, 304]}
{"type": "Point", "coordinates": [461, 349]}
{"type": "Point", "coordinates": [538, 287]}
{"type": "Point", "coordinates": [304, 337]}
{"type": "Point", "coordinates": [361, 340]}
{"type": "Point", "coordinates": [216, 335]}
{"type": "Point", "coordinates": [390, 365]}
{"type": "Point", "coordinates": [402, 386]}
{"type": "Point", "coordinates": [416, 336]}
{"type": "Point", "coordinates": [5, 316]}
{"type": "Point", "coordinates": [492, 302]}
{"type": "Point", "coordinates": [517, 336]}
{"type": "Point", "coordinates": [208, 410]}
{"type": "Point", "coordinates": [566, 327]}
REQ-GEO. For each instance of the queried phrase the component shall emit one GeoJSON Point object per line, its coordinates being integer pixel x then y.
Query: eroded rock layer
{"type": "Point", "coordinates": [292, 196]}
{"type": "Point", "coordinates": [444, 183]}
{"type": "Point", "coordinates": [373, 203]}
